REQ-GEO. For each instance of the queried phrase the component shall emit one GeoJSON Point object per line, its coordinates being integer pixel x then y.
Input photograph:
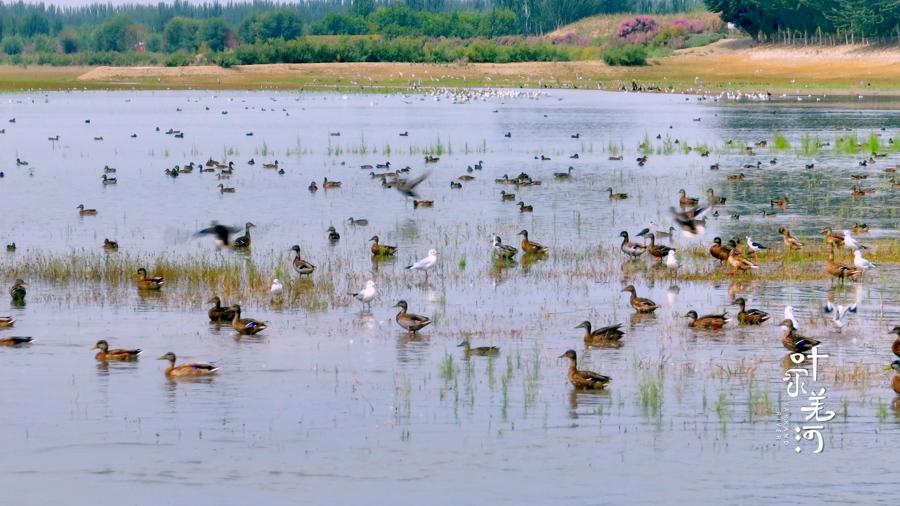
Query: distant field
{"type": "Point", "coordinates": [732, 64]}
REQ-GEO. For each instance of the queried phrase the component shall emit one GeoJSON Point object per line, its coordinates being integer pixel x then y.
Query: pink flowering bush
{"type": "Point", "coordinates": [689, 25]}
{"type": "Point", "coordinates": [639, 30]}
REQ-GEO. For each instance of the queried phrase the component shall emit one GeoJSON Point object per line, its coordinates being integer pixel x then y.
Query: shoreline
{"type": "Point", "coordinates": [728, 66]}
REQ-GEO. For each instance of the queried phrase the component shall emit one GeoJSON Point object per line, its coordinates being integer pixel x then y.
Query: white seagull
{"type": "Point", "coordinates": [276, 292]}
{"type": "Point", "coordinates": [839, 313]}
{"type": "Point", "coordinates": [425, 264]}
{"type": "Point", "coordinates": [850, 242]}
{"type": "Point", "coordinates": [789, 315]}
{"type": "Point", "coordinates": [861, 262]}
{"type": "Point", "coordinates": [671, 261]}
{"type": "Point", "coordinates": [367, 294]}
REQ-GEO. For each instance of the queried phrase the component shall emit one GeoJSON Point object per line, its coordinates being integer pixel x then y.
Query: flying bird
{"type": "Point", "coordinates": [221, 232]}
{"type": "Point", "coordinates": [408, 186]}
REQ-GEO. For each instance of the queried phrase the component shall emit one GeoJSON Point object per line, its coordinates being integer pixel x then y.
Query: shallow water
{"type": "Point", "coordinates": [334, 404]}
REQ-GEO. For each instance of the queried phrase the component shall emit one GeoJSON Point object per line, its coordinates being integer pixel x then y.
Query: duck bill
{"type": "Point", "coordinates": [162, 358]}
{"type": "Point", "coordinates": [95, 347]}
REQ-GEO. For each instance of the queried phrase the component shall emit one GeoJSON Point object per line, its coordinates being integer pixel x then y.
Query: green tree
{"type": "Point", "coordinates": [216, 33]}
{"type": "Point", "coordinates": [116, 34]}
{"type": "Point", "coordinates": [362, 7]}
{"type": "Point", "coordinates": [69, 41]}
{"type": "Point", "coordinates": [181, 34]}
{"type": "Point", "coordinates": [12, 45]}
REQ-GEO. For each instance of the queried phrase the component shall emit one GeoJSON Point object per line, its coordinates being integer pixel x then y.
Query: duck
{"type": "Point", "coordinates": [564, 175]}
{"type": "Point", "coordinates": [367, 294]}
{"type": "Point", "coordinates": [631, 249]}
{"type": "Point", "coordinates": [86, 212]}
{"type": "Point", "coordinates": [584, 380]}
{"type": "Point", "coordinates": [333, 236]}
{"type": "Point", "coordinates": [503, 251]}
{"type": "Point", "coordinates": [313, 188]}
{"type": "Point", "coordinates": [794, 341]}
{"type": "Point", "coordinates": [145, 283]}
{"type": "Point", "coordinates": [409, 321]}
{"type": "Point", "coordinates": [531, 246]}
{"type": "Point", "coordinates": [751, 317]}
{"type": "Point", "coordinates": [860, 228]}
{"type": "Point", "coordinates": [17, 290]}
{"type": "Point", "coordinates": [603, 334]}
{"type": "Point", "coordinates": [381, 250]}
{"type": "Point", "coordinates": [691, 221]}
{"type": "Point", "coordinates": [243, 242]}
{"type": "Point", "coordinates": [218, 313]}
{"type": "Point", "coordinates": [895, 348]}
{"type": "Point", "coordinates": [116, 355]}
{"type": "Point", "coordinates": [245, 326]}
{"type": "Point", "coordinates": [781, 203]}
{"type": "Point", "coordinates": [465, 178]}
{"type": "Point", "coordinates": [301, 266]}
{"type": "Point", "coordinates": [108, 180]}
{"type": "Point", "coordinates": [832, 238]}
{"type": "Point", "coordinates": [481, 351]}
{"type": "Point", "coordinates": [7, 321]}
{"type": "Point", "coordinates": [357, 222]}
{"type": "Point", "coordinates": [790, 242]}
{"type": "Point", "coordinates": [225, 189]}
{"type": "Point", "coordinates": [686, 201]}
{"type": "Point", "coordinates": [15, 341]}
{"type": "Point", "coordinates": [110, 245]}
{"type": "Point", "coordinates": [710, 321]}
{"type": "Point", "coordinates": [523, 208]}
{"type": "Point", "coordinates": [659, 251]}
{"type": "Point", "coordinates": [616, 196]}
{"type": "Point", "coordinates": [713, 198]}
{"type": "Point", "coordinates": [273, 165]}
{"type": "Point", "coordinates": [718, 251]}
{"type": "Point", "coordinates": [455, 185]}
{"type": "Point", "coordinates": [425, 264]}
{"type": "Point", "coordinates": [326, 184]}
{"type": "Point", "coordinates": [737, 261]}
{"type": "Point", "coordinates": [11, 247]}
{"type": "Point", "coordinates": [736, 177]}
{"type": "Point", "coordinates": [422, 203]}
{"type": "Point", "coordinates": [191, 369]}
{"type": "Point", "coordinates": [640, 304]}
{"type": "Point", "coordinates": [507, 196]}
{"type": "Point", "coordinates": [839, 270]}
{"type": "Point", "coordinates": [895, 381]}
{"type": "Point", "coordinates": [665, 234]}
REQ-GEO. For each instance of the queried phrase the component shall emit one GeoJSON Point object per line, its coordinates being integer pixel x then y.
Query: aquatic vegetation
{"type": "Point", "coordinates": [809, 145]}
{"type": "Point", "coordinates": [780, 142]}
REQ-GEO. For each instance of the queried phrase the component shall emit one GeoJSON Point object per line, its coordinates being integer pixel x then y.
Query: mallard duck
{"type": "Point", "coordinates": [85, 212]}
{"type": "Point", "coordinates": [736, 177]}
{"type": "Point", "coordinates": [564, 175]}
{"type": "Point", "coordinates": [832, 238]}
{"type": "Point", "coordinates": [381, 250]}
{"type": "Point", "coordinates": [110, 245]}
{"type": "Point", "coordinates": [15, 340]}
{"type": "Point", "coordinates": [245, 326]}
{"type": "Point", "coordinates": [895, 348]}
{"type": "Point", "coordinates": [781, 203]}
{"type": "Point", "coordinates": [584, 380]}
{"type": "Point", "coordinates": [119, 355]}
{"type": "Point", "coordinates": [425, 264]}
{"type": "Point", "coordinates": [794, 341]}
{"type": "Point", "coordinates": [11, 247]}
{"type": "Point", "coordinates": [686, 201]}
{"type": "Point", "coordinates": [243, 242]}
{"type": "Point", "coordinates": [455, 185]}
{"type": "Point", "coordinates": [895, 381]}
{"type": "Point", "coordinates": [225, 189]}
{"type": "Point", "coordinates": [422, 203]}
{"type": "Point", "coordinates": [839, 270]}
{"type": "Point", "coordinates": [710, 321]}
{"type": "Point", "coordinates": [523, 208]}
{"type": "Point", "coordinates": [145, 283]}
{"type": "Point", "coordinates": [411, 322]}
{"type": "Point", "coordinates": [108, 180]}
{"type": "Point", "coordinates": [503, 251]}
{"type": "Point", "coordinates": [218, 313]}
{"type": "Point", "coordinates": [640, 304]}
{"type": "Point", "coordinates": [187, 370]}
{"type": "Point", "coordinates": [17, 290]}
{"type": "Point", "coordinates": [301, 266]}
{"type": "Point", "coordinates": [718, 251]}
{"type": "Point", "coordinates": [860, 228]}
{"type": "Point", "coordinates": [737, 261]}
{"type": "Point", "coordinates": [616, 196]}
{"type": "Point", "coordinates": [751, 317]}
{"type": "Point", "coordinates": [313, 188]}
{"type": "Point", "coordinates": [507, 196]}
{"type": "Point", "coordinates": [530, 246]}
{"type": "Point", "coordinates": [273, 165]}
{"type": "Point", "coordinates": [481, 351]}
{"type": "Point", "coordinates": [659, 251]}
{"type": "Point", "coordinates": [631, 249]}
{"type": "Point", "coordinates": [333, 236]}
{"type": "Point", "coordinates": [790, 241]}
{"type": "Point", "coordinates": [607, 334]}
{"type": "Point", "coordinates": [466, 178]}
{"type": "Point", "coordinates": [713, 198]}
{"type": "Point", "coordinates": [357, 222]}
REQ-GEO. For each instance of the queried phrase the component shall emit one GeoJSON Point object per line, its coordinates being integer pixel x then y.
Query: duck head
{"type": "Point", "coordinates": [296, 248]}
{"type": "Point", "coordinates": [586, 325]}
{"type": "Point", "coordinates": [168, 356]}
{"type": "Point", "coordinates": [101, 345]}
{"type": "Point", "coordinates": [629, 288]}
{"type": "Point", "coordinates": [401, 304]}
{"type": "Point", "coordinates": [569, 354]}
{"type": "Point", "coordinates": [691, 314]}
{"type": "Point", "coordinates": [787, 324]}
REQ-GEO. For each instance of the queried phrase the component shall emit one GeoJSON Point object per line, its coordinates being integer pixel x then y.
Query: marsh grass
{"type": "Point", "coordinates": [780, 142]}
{"type": "Point", "coordinates": [809, 145]}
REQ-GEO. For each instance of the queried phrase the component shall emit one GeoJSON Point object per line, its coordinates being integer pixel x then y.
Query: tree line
{"type": "Point", "coordinates": [818, 20]}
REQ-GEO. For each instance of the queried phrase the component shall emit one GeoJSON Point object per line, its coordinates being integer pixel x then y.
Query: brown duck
{"type": "Point", "coordinates": [749, 317]}
{"type": "Point", "coordinates": [409, 321]}
{"type": "Point", "coordinates": [710, 321]}
{"type": "Point", "coordinates": [794, 341]}
{"type": "Point", "coordinates": [832, 238]}
{"type": "Point", "coordinates": [640, 304]}
{"type": "Point", "coordinates": [217, 313]}
{"type": "Point", "coordinates": [381, 250]}
{"type": "Point", "coordinates": [191, 369]}
{"type": "Point", "coordinates": [584, 380]}
{"type": "Point", "coordinates": [117, 355]}
{"type": "Point", "coordinates": [531, 246]}
{"type": "Point", "coordinates": [790, 241]}
{"type": "Point", "coordinates": [839, 270]}
{"type": "Point", "coordinates": [603, 334]}
{"type": "Point", "coordinates": [245, 326]}
{"type": "Point", "coordinates": [15, 341]}
{"type": "Point", "coordinates": [718, 251]}
{"type": "Point", "coordinates": [660, 251]}
{"type": "Point", "coordinates": [145, 283]}
{"type": "Point", "coordinates": [686, 201]}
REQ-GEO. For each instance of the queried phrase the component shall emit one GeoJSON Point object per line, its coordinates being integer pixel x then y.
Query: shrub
{"type": "Point", "coordinates": [12, 46]}
{"type": "Point", "coordinates": [638, 30]}
{"type": "Point", "coordinates": [625, 55]}
{"type": "Point", "coordinates": [689, 25]}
